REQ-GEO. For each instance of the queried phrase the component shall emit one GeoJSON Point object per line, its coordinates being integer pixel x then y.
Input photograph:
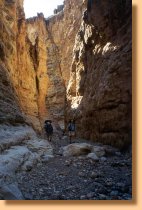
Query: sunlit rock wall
{"type": "Point", "coordinates": [10, 111]}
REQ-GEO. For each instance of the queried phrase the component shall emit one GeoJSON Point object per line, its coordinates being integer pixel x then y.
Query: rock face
{"type": "Point", "coordinates": [99, 90]}
{"type": "Point", "coordinates": [62, 29]}
{"type": "Point", "coordinates": [20, 150]}
{"type": "Point", "coordinates": [50, 44]}
{"type": "Point", "coordinates": [10, 192]}
{"type": "Point", "coordinates": [36, 46]}
{"type": "Point", "coordinates": [38, 56]}
{"type": "Point", "coordinates": [9, 106]}
{"type": "Point", "coordinates": [16, 60]}
{"type": "Point", "coordinates": [9, 103]}
{"type": "Point", "coordinates": [27, 78]}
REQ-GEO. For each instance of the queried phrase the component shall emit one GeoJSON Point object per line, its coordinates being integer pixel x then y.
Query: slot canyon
{"type": "Point", "coordinates": [75, 64]}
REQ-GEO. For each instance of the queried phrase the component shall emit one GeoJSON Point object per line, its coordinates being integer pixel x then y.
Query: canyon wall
{"type": "Point", "coordinates": [16, 62]}
{"type": "Point", "coordinates": [37, 54]}
{"type": "Point", "coordinates": [62, 29]}
{"type": "Point", "coordinates": [10, 111]}
{"type": "Point", "coordinates": [51, 44]}
{"type": "Point", "coordinates": [99, 90]}
{"type": "Point", "coordinates": [20, 148]}
{"type": "Point", "coordinates": [26, 74]}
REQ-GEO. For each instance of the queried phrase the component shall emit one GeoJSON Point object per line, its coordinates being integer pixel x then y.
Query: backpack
{"type": "Point", "coordinates": [71, 127]}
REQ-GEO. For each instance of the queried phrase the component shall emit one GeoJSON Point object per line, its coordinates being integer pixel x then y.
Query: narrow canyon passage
{"type": "Point", "coordinates": [74, 65]}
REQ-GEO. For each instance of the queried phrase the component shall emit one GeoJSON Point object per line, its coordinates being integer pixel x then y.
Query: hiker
{"type": "Point", "coordinates": [71, 129]}
{"type": "Point", "coordinates": [49, 129]}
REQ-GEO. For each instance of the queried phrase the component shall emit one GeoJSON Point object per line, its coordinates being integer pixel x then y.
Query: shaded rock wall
{"type": "Point", "coordinates": [99, 90]}
{"type": "Point", "coordinates": [64, 27]}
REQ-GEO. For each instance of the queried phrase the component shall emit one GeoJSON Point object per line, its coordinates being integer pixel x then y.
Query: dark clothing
{"type": "Point", "coordinates": [71, 127]}
{"type": "Point", "coordinates": [71, 130]}
{"type": "Point", "coordinates": [48, 129]}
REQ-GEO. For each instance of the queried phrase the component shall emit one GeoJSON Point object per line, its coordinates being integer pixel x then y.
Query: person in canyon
{"type": "Point", "coordinates": [49, 129]}
{"type": "Point", "coordinates": [71, 129]}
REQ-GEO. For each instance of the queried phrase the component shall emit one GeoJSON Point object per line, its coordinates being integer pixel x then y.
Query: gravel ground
{"type": "Point", "coordinates": [78, 178]}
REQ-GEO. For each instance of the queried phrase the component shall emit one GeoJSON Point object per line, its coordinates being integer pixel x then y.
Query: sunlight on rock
{"type": "Point", "coordinates": [76, 102]}
{"type": "Point", "coordinates": [97, 49]}
{"type": "Point", "coordinates": [109, 47]}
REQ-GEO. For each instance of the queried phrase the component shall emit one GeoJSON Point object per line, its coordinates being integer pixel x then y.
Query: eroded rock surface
{"type": "Point", "coordinates": [99, 90]}
{"type": "Point", "coordinates": [20, 150]}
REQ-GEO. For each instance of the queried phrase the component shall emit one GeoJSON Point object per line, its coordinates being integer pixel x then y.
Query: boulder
{"type": "Point", "coordinates": [10, 192]}
{"type": "Point", "coordinates": [99, 151]}
{"type": "Point", "coordinates": [77, 149]}
{"type": "Point", "coordinates": [46, 158]}
{"type": "Point", "coordinates": [93, 156]}
{"type": "Point", "coordinates": [24, 151]}
{"type": "Point", "coordinates": [39, 146]}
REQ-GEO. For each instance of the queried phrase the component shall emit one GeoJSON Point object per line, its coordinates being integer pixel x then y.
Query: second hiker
{"type": "Point", "coordinates": [71, 129]}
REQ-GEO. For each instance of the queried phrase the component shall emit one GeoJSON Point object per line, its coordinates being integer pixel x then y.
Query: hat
{"type": "Point", "coordinates": [46, 121]}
